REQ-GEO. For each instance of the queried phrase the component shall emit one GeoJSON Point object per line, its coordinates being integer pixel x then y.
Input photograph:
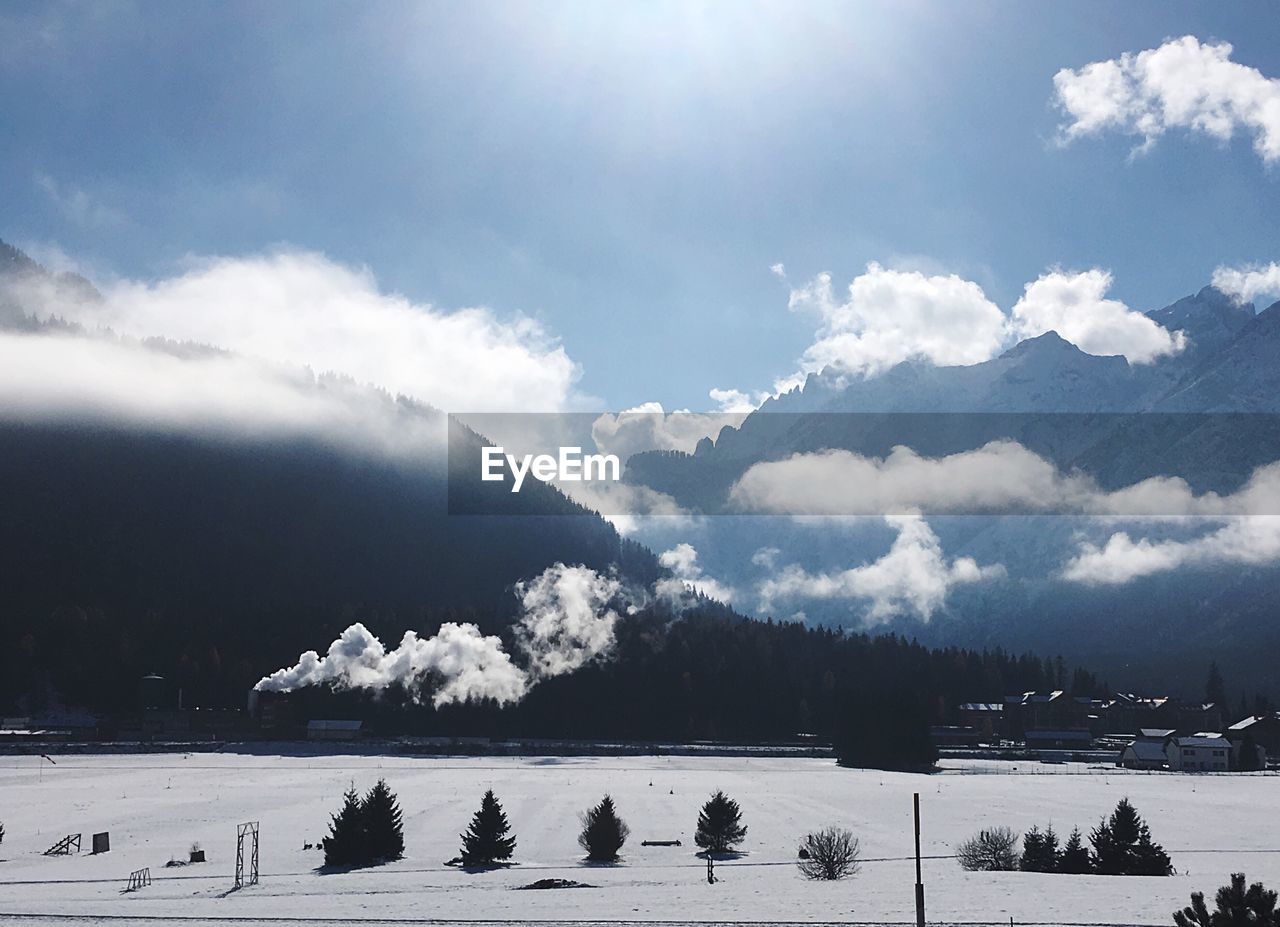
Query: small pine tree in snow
{"type": "Point", "coordinates": [1039, 850]}
{"type": "Point", "coordinates": [1255, 906]}
{"type": "Point", "coordinates": [1122, 845]}
{"type": "Point", "coordinates": [720, 827]}
{"type": "Point", "coordinates": [485, 841]}
{"type": "Point", "coordinates": [1074, 859]}
{"type": "Point", "coordinates": [384, 831]}
{"type": "Point", "coordinates": [346, 844]}
{"type": "Point", "coordinates": [603, 832]}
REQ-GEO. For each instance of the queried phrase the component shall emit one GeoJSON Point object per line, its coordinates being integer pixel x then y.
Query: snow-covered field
{"type": "Point", "coordinates": [155, 806]}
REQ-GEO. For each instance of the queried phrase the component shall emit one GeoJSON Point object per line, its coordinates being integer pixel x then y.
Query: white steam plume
{"type": "Point", "coordinates": [473, 667]}
{"type": "Point", "coordinates": [568, 615]}
{"type": "Point", "coordinates": [566, 619]}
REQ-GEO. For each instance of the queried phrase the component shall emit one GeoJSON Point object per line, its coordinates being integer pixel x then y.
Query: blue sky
{"type": "Point", "coordinates": [625, 174]}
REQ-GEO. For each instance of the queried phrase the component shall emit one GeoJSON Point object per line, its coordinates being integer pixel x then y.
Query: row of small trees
{"type": "Point", "coordinates": [369, 830]}
{"type": "Point", "coordinates": [488, 839]}
{"type": "Point", "coordinates": [1120, 845]}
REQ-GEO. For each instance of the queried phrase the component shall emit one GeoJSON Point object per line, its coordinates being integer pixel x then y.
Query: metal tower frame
{"type": "Point", "coordinates": [249, 829]}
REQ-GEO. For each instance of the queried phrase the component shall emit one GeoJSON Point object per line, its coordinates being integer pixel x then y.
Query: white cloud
{"type": "Point", "coordinates": [687, 575]}
{"type": "Point", "coordinates": [1242, 541]}
{"type": "Point", "coordinates": [57, 376]}
{"type": "Point", "coordinates": [1183, 84]}
{"type": "Point", "coordinates": [647, 427]}
{"type": "Point", "coordinates": [301, 309]}
{"type": "Point", "coordinates": [891, 316]}
{"type": "Point", "coordinates": [1000, 477]}
{"type": "Point", "coordinates": [629, 507]}
{"type": "Point", "coordinates": [272, 321]}
{"type": "Point", "coordinates": [914, 577]}
{"type": "Point", "coordinates": [736, 401]}
{"type": "Point", "coordinates": [1075, 306]}
{"type": "Point", "coordinates": [681, 560]}
{"type": "Point", "coordinates": [1247, 284]}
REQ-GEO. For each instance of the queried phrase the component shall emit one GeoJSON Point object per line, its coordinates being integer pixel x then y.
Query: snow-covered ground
{"type": "Point", "coordinates": [155, 806]}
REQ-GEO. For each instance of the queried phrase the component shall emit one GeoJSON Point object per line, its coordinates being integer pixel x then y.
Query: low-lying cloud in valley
{"type": "Point", "coordinates": [1000, 477]}
{"type": "Point", "coordinates": [1240, 542]}
{"type": "Point", "coordinates": [1241, 528]}
{"type": "Point", "coordinates": [288, 345]}
{"type": "Point", "coordinates": [301, 309]}
{"type": "Point", "coordinates": [913, 578]}
{"type": "Point", "coordinates": [57, 376]}
{"type": "Point", "coordinates": [688, 577]}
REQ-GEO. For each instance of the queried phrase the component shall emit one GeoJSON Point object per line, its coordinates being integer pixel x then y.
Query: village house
{"type": "Point", "coordinates": [1149, 750]}
{"type": "Point", "coordinates": [1204, 752]}
{"type": "Point", "coordinates": [1264, 730]}
{"type": "Point", "coordinates": [1046, 711]}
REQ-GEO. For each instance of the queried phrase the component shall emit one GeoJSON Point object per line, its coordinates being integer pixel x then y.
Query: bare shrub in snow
{"type": "Point", "coordinates": [828, 854]}
{"type": "Point", "coordinates": [992, 849]}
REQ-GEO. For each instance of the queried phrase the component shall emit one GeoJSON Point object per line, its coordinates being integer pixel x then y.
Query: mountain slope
{"type": "Point", "coordinates": [1243, 375]}
{"type": "Point", "coordinates": [1079, 411]}
{"type": "Point", "coordinates": [195, 528]}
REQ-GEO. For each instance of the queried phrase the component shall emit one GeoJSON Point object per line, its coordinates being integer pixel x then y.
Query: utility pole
{"type": "Point", "coordinates": [919, 882]}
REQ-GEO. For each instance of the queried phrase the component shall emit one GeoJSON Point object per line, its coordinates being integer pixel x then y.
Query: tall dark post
{"type": "Point", "coordinates": [919, 882]}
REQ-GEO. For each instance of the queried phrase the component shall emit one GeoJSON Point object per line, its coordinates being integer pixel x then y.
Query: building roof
{"type": "Point", "coordinates": [1155, 733]}
{"type": "Point", "coordinates": [1203, 741]}
{"type": "Point", "coordinates": [982, 706]}
{"type": "Point", "coordinates": [1149, 751]}
{"type": "Point", "coordinates": [1129, 700]}
{"type": "Point", "coordinates": [1044, 696]}
{"type": "Point", "coordinates": [1030, 698]}
{"type": "Point", "coordinates": [1245, 723]}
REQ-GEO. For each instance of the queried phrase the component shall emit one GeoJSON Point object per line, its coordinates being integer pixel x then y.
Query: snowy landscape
{"type": "Point", "coordinates": [156, 805]}
{"type": "Point", "coordinates": [656, 462]}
